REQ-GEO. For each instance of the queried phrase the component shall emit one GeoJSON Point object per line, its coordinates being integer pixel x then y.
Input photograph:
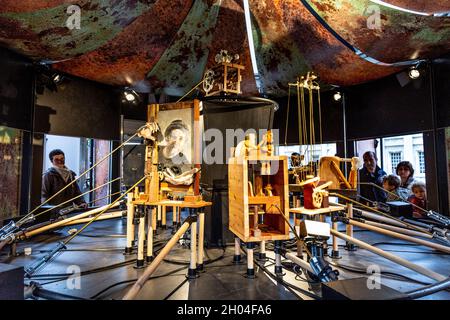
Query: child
{"type": "Point", "coordinates": [391, 183]}
{"type": "Point", "coordinates": [419, 198]}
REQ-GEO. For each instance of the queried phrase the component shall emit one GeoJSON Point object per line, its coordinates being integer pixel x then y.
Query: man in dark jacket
{"type": "Point", "coordinates": [56, 178]}
{"type": "Point", "coordinates": [371, 172]}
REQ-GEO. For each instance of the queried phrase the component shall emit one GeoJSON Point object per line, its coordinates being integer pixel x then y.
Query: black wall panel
{"type": "Point", "coordinates": [442, 91]}
{"type": "Point", "coordinates": [385, 108]}
{"type": "Point", "coordinates": [16, 91]}
{"type": "Point", "coordinates": [79, 108]}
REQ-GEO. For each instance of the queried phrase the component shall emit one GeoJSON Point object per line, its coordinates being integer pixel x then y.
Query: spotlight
{"type": "Point", "coordinates": [414, 73]}
{"type": "Point", "coordinates": [130, 95]}
{"type": "Point", "coordinates": [337, 96]}
{"type": "Point", "coordinates": [57, 78]}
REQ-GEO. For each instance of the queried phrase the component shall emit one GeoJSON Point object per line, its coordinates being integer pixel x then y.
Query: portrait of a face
{"type": "Point", "coordinates": [175, 151]}
{"type": "Point", "coordinates": [177, 141]}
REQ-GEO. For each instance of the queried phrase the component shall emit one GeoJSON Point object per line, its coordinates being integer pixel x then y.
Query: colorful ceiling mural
{"type": "Point", "coordinates": [168, 44]}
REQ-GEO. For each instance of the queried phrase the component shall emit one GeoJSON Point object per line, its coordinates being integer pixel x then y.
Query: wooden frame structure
{"type": "Point", "coordinates": [245, 206]}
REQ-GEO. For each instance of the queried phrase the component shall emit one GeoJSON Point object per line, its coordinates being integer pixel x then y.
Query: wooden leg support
{"type": "Point", "coordinates": [335, 251]}
{"type": "Point", "coordinates": [299, 243]}
{"type": "Point", "coordinates": [201, 240]}
{"type": "Point", "coordinates": [278, 266]}
{"type": "Point", "coordinates": [250, 264]}
{"type": "Point", "coordinates": [192, 271]}
{"type": "Point", "coordinates": [150, 214]}
{"type": "Point", "coordinates": [134, 291]}
{"type": "Point", "coordinates": [262, 251]}
{"type": "Point", "coordinates": [141, 238]}
{"type": "Point", "coordinates": [130, 224]}
{"type": "Point", "coordinates": [158, 223]}
{"type": "Point", "coordinates": [349, 228]}
{"type": "Point", "coordinates": [237, 258]}
{"type": "Point", "coordinates": [164, 217]}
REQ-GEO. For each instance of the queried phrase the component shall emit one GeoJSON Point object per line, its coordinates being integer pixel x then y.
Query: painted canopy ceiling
{"type": "Point", "coordinates": [168, 44]}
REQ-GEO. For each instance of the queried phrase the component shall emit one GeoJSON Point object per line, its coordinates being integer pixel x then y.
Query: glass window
{"type": "Point", "coordinates": [421, 156]}
{"type": "Point", "coordinates": [396, 157]}
{"type": "Point", "coordinates": [314, 152]}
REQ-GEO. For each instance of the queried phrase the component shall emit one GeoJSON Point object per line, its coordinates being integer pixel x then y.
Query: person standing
{"type": "Point", "coordinates": [56, 178]}
{"type": "Point", "coordinates": [405, 171]}
{"type": "Point", "coordinates": [371, 173]}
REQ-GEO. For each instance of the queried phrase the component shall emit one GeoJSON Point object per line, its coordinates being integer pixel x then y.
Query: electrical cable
{"type": "Point", "coordinates": [176, 289]}
{"type": "Point", "coordinates": [392, 275]}
{"type": "Point", "coordinates": [288, 285]}
{"type": "Point", "coordinates": [133, 280]}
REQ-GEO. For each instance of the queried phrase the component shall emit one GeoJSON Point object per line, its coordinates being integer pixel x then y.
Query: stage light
{"type": "Point", "coordinates": [337, 96]}
{"type": "Point", "coordinates": [57, 78]}
{"type": "Point", "coordinates": [130, 95]}
{"type": "Point", "coordinates": [414, 73]}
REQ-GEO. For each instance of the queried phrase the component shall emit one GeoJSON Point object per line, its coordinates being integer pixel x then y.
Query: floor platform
{"type": "Point", "coordinates": [106, 273]}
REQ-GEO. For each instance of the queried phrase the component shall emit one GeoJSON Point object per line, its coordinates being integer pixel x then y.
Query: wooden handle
{"type": "Point", "coordinates": [430, 274]}
{"type": "Point", "coordinates": [134, 291]}
{"type": "Point", "coordinates": [340, 175]}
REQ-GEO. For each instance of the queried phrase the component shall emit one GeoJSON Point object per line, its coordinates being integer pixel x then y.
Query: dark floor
{"type": "Point", "coordinates": [102, 245]}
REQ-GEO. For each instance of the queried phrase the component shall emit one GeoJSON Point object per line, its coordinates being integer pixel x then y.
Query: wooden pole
{"type": "Point", "coordinates": [154, 217]}
{"type": "Point", "coordinates": [174, 215]}
{"type": "Point", "coordinates": [299, 243]}
{"type": "Point", "coordinates": [105, 216]}
{"type": "Point", "coordinates": [335, 243]}
{"type": "Point", "coordinates": [193, 262]}
{"type": "Point", "coordinates": [130, 225]}
{"type": "Point", "coordinates": [141, 239]}
{"type": "Point", "coordinates": [134, 291]}
{"type": "Point", "coordinates": [428, 273]}
{"type": "Point", "coordinates": [201, 237]}
{"type": "Point", "coordinates": [294, 203]}
{"type": "Point", "coordinates": [400, 230]}
{"type": "Point", "coordinates": [349, 227]}
{"type": "Point", "coordinates": [159, 213]}
{"type": "Point", "coordinates": [65, 221]}
{"type": "Point", "coordinates": [302, 263]}
{"type": "Point", "coordinates": [150, 235]}
{"type": "Point", "coordinates": [377, 217]}
{"type": "Point", "coordinates": [401, 236]}
{"type": "Point", "coordinates": [164, 216]}
{"type": "Point", "coordinates": [237, 246]}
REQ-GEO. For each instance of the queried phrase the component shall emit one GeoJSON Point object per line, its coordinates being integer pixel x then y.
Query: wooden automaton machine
{"type": "Point", "coordinates": [172, 136]}
{"type": "Point", "coordinates": [258, 196]}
